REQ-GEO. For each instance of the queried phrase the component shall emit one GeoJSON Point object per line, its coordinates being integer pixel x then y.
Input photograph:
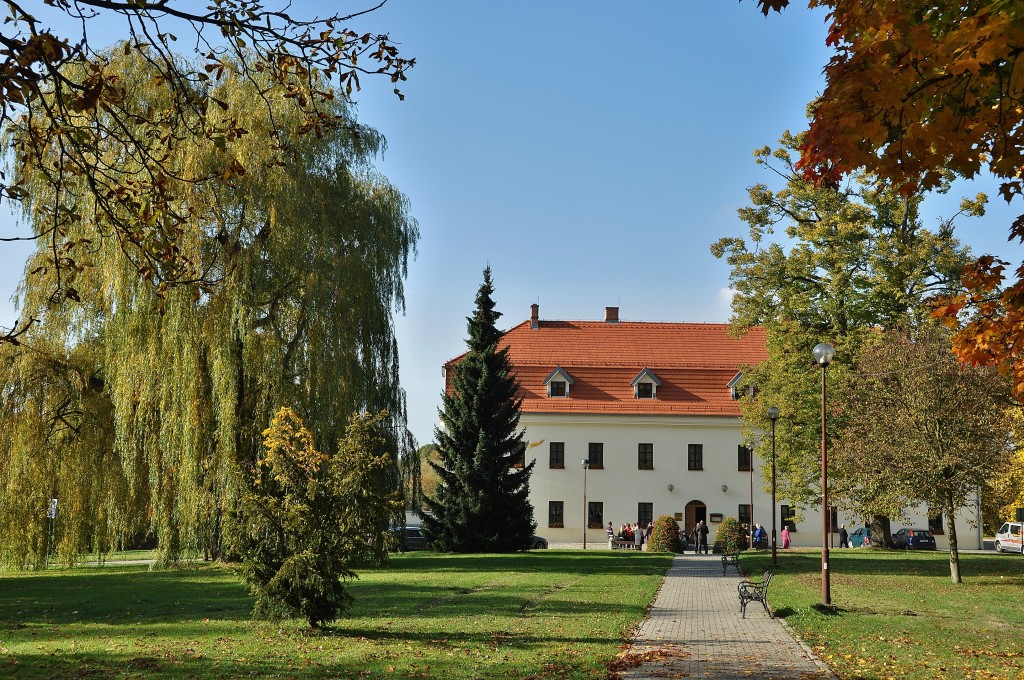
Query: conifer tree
{"type": "Point", "coordinates": [482, 501]}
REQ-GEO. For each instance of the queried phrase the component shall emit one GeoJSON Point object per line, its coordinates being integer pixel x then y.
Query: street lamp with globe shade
{"type": "Point", "coordinates": [823, 354]}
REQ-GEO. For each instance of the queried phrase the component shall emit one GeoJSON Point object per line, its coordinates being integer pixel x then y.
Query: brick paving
{"type": "Point", "coordinates": [694, 630]}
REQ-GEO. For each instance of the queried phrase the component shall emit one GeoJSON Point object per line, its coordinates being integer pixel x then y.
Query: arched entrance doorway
{"type": "Point", "coordinates": [696, 511]}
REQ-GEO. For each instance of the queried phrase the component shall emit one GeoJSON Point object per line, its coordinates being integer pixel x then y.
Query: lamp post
{"type": "Point", "coordinates": [773, 415]}
{"type": "Point", "coordinates": [823, 354]}
{"type": "Point", "coordinates": [750, 529]}
{"type": "Point", "coordinates": [586, 464]}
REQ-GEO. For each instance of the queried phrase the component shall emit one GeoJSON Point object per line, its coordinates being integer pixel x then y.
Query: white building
{"type": "Point", "coordinates": [649, 406]}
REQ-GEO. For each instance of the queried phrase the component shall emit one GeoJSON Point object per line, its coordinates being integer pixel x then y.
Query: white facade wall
{"type": "Point", "coordinates": [620, 485]}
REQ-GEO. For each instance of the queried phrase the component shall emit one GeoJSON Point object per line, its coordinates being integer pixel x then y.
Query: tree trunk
{"type": "Point", "coordinates": [954, 554]}
{"type": "Point", "coordinates": [881, 532]}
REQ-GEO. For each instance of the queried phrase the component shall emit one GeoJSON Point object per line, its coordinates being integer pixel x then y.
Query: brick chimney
{"type": "Point", "coordinates": [534, 316]}
{"type": "Point", "coordinates": [611, 314]}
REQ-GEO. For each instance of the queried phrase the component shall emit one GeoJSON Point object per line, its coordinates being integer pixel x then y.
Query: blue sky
{"type": "Point", "coordinates": [589, 151]}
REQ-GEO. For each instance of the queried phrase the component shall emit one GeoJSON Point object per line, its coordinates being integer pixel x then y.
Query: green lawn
{"type": "Point", "coordinates": [899, 616]}
{"type": "Point", "coordinates": [545, 614]}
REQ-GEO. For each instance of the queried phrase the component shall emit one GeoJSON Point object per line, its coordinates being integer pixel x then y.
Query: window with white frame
{"type": "Point", "coordinates": [645, 385]}
{"type": "Point", "coordinates": [558, 383]}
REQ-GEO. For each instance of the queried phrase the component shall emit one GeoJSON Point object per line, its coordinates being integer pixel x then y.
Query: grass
{"type": "Point", "coordinates": [898, 615]}
{"type": "Point", "coordinates": [545, 614]}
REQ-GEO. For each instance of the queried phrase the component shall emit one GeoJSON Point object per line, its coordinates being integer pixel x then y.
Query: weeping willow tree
{"type": "Point", "coordinates": [308, 247]}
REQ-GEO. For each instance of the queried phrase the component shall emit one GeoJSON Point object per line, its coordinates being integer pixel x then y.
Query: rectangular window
{"type": "Point", "coordinates": [644, 514]}
{"type": "Point", "coordinates": [645, 457]}
{"type": "Point", "coordinates": [645, 390]}
{"type": "Point", "coordinates": [519, 458]}
{"type": "Point", "coordinates": [557, 455]}
{"type": "Point", "coordinates": [556, 514]}
{"type": "Point", "coordinates": [695, 457]}
{"type": "Point", "coordinates": [833, 519]}
{"type": "Point", "coordinates": [788, 514]}
{"type": "Point", "coordinates": [744, 459]}
{"type": "Point", "coordinates": [557, 388]}
{"type": "Point", "coordinates": [595, 454]}
{"type": "Point", "coordinates": [744, 515]}
{"type": "Point", "coordinates": [935, 522]}
{"type": "Point", "coordinates": [595, 515]}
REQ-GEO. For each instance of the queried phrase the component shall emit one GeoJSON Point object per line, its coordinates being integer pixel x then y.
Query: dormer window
{"type": "Point", "coordinates": [645, 385]}
{"type": "Point", "coordinates": [737, 390]}
{"type": "Point", "coordinates": [558, 382]}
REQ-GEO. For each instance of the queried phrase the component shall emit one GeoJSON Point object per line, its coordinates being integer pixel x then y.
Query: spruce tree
{"type": "Point", "coordinates": [482, 501]}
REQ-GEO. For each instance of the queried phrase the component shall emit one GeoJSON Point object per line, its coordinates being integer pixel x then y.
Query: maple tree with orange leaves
{"type": "Point", "coordinates": [915, 88]}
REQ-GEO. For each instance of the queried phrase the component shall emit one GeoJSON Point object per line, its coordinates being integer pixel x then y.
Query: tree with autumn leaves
{"type": "Point", "coordinates": [917, 88]}
{"type": "Point", "coordinates": [148, 403]}
{"type": "Point", "coordinates": [919, 429]}
{"type": "Point", "coordinates": [307, 518]}
{"type": "Point", "coordinates": [69, 99]}
{"type": "Point", "coordinates": [826, 264]}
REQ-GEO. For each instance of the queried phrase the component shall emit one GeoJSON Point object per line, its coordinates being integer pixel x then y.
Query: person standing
{"type": "Point", "coordinates": [703, 536]}
{"type": "Point", "coordinates": [695, 535]}
{"type": "Point", "coordinates": [844, 537]}
{"type": "Point", "coordinates": [610, 531]}
{"type": "Point", "coordinates": [638, 537]}
{"type": "Point", "coordinates": [785, 536]}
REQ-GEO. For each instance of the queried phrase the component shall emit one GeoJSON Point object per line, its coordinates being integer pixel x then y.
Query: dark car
{"type": "Point", "coordinates": [858, 536]}
{"type": "Point", "coordinates": [537, 542]}
{"type": "Point", "coordinates": [411, 538]}
{"type": "Point", "coordinates": [914, 539]}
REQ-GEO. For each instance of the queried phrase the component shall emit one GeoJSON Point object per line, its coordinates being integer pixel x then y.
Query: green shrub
{"type": "Point", "coordinates": [665, 536]}
{"type": "Point", "coordinates": [307, 518]}
{"type": "Point", "coordinates": [731, 538]}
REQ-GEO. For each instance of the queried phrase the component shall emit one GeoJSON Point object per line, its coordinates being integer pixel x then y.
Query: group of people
{"type": "Point", "coordinates": [700, 537]}
{"type": "Point", "coordinates": [635, 533]}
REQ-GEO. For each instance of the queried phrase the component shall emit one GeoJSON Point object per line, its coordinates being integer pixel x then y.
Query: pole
{"type": "Point", "coordinates": [751, 499]}
{"type": "Point", "coordinates": [775, 558]}
{"type": "Point", "coordinates": [826, 591]}
{"type": "Point", "coordinates": [585, 518]}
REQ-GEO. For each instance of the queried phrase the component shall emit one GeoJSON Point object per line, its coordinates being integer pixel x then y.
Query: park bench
{"type": "Point", "coordinates": [754, 591]}
{"type": "Point", "coordinates": [731, 560]}
{"type": "Point", "coordinates": [621, 544]}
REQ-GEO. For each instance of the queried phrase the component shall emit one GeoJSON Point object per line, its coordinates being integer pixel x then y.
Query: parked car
{"type": "Point", "coordinates": [918, 539]}
{"type": "Point", "coordinates": [858, 536]}
{"type": "Point", "coordinates": [538, 542]}
{"type": "Point", "coordinates": [411, 538]}
{"type": "Point", "coordinates": [1008, 538]}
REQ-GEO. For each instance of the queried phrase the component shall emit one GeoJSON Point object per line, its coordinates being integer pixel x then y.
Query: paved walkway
{"type": "Point", "coordinates": [694, 630]}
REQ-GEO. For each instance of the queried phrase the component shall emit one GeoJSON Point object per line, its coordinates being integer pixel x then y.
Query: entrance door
{"type": "Point", "coordinates": [696, 511]}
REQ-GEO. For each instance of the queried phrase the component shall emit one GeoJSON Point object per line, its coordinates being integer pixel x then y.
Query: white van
{"type": "Point", "coordinates": [1008, 538]}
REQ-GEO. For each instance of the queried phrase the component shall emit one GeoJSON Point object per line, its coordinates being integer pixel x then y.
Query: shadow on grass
{"type": "Point", "coordinates": [861, 562]}
{"type": "Point", "coordinates": [134, 595]}
{"type": "Point", "coordinates": [125, 595]}
{"type": "Point", "coordinates": [544, 561]}
{"type": "Point", "coordinates": [171, 666]}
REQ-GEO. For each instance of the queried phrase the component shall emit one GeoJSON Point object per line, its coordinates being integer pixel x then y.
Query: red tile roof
{"type": "Point", "coordinates": [694, 362]}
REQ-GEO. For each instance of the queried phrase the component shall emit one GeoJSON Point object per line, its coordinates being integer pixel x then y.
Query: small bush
{"type": "Point", "coordinates": [665, 536]}
{"type": "Point", "coordinates": [731, 537]}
